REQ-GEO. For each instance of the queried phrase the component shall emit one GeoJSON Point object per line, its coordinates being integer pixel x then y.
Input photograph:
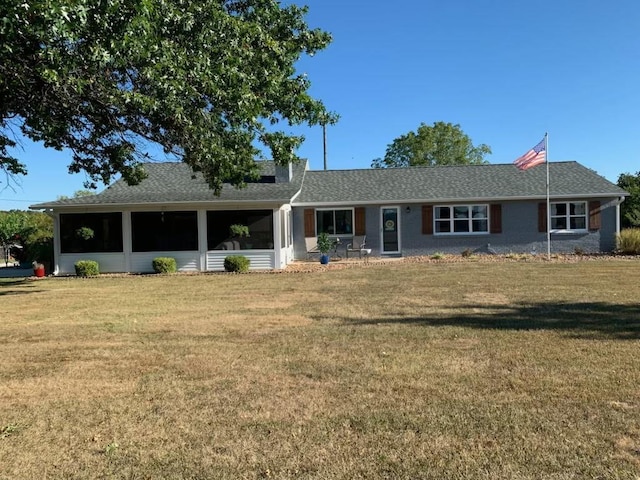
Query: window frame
{"type": "Point", "coordinates": [567, 216]}
{"type": "Point", "coordinates": [334, 210]}
{"type": "Point", "coordinates": [218, 222]}
{"type": "Point", "coordinates": [470, 219]}
{"type": "Point", "coordinates": [167, 233]}
{"type": "Point", "coordinates": [108, 230]}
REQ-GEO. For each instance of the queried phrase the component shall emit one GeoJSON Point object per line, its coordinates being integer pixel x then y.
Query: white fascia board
{"type": "Point", "coordinates": [167, 205]}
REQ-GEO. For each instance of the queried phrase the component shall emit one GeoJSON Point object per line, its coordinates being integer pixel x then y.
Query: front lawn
{"type": "Point", "coordinates": [469, 370]}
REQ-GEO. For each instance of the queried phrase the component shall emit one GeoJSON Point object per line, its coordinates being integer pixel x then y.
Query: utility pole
{"type": "Point", "coordinates": [324, 143]}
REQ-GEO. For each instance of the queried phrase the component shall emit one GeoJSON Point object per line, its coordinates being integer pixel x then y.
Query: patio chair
{"type": "Point", "coordinates": [311, 243]}
{"type": "Point", "coordinates": [357, 244]}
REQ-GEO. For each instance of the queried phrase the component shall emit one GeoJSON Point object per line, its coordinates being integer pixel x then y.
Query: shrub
{"type": "Point", "coordinates": [628, 241]}
{"type": "Point", "coordinates": [87, 268]}
{"type": "Point", "coordinates": [164, 265]}
{"type": "Point", "coordinates": [236, 263]}
{"type": "Point", "coordinates": [437, 256]}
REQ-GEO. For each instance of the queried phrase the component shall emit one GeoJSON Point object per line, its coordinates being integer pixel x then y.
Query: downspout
{"type": "Point", "coordinates": [618, 202]}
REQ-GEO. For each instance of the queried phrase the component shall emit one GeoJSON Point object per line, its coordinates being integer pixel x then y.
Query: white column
{"type": "Point", "coordinates": [277, 249]}
{"type": "Point", "coordinates": [127, 245]}
{"type": "Point", "coordinates": [202, 239]}
{"type": "Point", "coordinates": [57, 250]}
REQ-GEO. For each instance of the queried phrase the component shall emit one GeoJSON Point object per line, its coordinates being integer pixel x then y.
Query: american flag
{"type": "Point", "coordinates": [533, 157]}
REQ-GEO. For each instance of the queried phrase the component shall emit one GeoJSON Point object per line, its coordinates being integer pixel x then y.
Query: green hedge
{"type": "Point", "coordinates": [87, 268]}
{"type": "Point", "coordinates": [164, 265]}
{"type": "Point", "coordinates": [236, 263]}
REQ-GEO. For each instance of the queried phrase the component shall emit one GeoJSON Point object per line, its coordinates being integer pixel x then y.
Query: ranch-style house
{"type": "Point", "coordinates": [492, 208]}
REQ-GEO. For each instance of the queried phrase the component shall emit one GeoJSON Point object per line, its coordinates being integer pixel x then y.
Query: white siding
{"type": "Point", "coordinates": [186, 261]}
{"type": "Point", "coordinates": [260, 259]}
{"type": "Point", "coordinates": [107, 262]}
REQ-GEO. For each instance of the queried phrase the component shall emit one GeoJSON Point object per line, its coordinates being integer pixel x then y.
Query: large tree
{"type": "Point", "coordinates": [440, 144]}
{"type": "Point", "coordinates": [208, 81]}
{"type": "Point", "coordinates": [630, 208]}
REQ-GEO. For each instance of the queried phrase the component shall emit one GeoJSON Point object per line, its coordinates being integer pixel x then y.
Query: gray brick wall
{"type": "Point", "coordinates": [519, 233]}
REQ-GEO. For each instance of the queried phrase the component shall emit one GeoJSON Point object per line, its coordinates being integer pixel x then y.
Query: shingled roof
{"type": "Point", "coordinates": [488, 182]}
{"type": "Point", "coordinates": [177, 183]}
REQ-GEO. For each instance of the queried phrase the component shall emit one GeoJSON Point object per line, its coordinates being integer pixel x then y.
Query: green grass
{"type": "Point", "coordinates": [507, 370]}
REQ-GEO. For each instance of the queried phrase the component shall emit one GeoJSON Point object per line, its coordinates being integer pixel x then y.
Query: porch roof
{"type": "Point", "coordinates": [175, 182]}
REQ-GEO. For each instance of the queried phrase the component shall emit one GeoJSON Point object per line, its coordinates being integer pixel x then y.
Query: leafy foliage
{"type": "Point", "coordinates": [164, 265]}
{"type": "Point", "coordinates": [440, 144]}
{"type": "Point", "coordinates": [31, 231]}
{"type": "Point", "coordinates": [206, 81]}
{"type": "Point", "coordinates": [237, 263]}
{"type": "Point", "coordinates": [630, 208]}
{"type": "Point", "coordinates": [628, 241]}
{"type": "Point", "coordinates": [85, 233]}
{"type": "Point", "coordinates": [324, 243]}
{"type": "Point", "coordinates": [87, 268]}
{"type": "Point", "coordinates": [238, 230]}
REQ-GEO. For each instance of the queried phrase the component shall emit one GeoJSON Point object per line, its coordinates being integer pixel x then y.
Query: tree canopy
{"type": "Point", "coordinates": [211, 82]}
{"type": "Point", "coordinates": [630, 208]}
{"type": "Point", "coordinates": [31, 231]}
{"type": "Point", "coordinates": [440, 144]}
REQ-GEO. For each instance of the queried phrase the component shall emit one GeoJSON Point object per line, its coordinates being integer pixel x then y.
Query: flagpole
{"type": "Point", "coordinates": [546, 155]}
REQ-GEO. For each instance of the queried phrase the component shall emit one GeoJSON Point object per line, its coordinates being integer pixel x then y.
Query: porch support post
{"type": "Point", "coordinates": [127, 239]}
{"type": "Point", "coordinates": [277, 249]}
{"type": "Point", "coordinates": [57, 249]}
{"type": "Point", "coordinates": [202, 239]}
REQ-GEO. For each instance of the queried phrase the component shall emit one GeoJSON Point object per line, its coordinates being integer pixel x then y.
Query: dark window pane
{"type": "Point", "coordinates": [460, 212]}
{"type": "Point", "coordinates": [164, 231]}
{"type": "Point", "coordinates": [260, 223]}
{"type": "Point", "coordinates": [106, 228]}
{"type": "Point", "coordinates": [443, 212]}
{"type": "Point", "coordinates": [480, 226]}
{"type": "Point", "coordinates": [559, 223]}
{"type": "Point", "coordinates": [443, 227]}
{"type": "Point", "coordinates": [479, 212]}
{"type": "Point", "coordinates": [325, 222]}
{"type": "Point", "coordinates": [460, 225]}
{"type": "Point", "coordinates": [577, 208]}
{"type": "Point", "coordinates": [558, 209]}
{"type": "Point", "coordinates": [578, 223]}
{"type": "Point", "coordinates": [344, 222]}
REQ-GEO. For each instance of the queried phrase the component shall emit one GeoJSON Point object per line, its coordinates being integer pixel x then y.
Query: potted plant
{"type": "Point", "coordinates": [238, 230]}
{"type": "Point", "coordinates": [324, 245]}
{"type": "Point", "coordinates": [85, 233]}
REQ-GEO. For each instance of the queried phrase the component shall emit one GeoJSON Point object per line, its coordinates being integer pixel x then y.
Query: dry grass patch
{"type": "Point", "coordinates": [466, 370]}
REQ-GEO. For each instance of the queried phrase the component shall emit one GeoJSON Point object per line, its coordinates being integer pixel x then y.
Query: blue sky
{"type": "Point", "coordinates": [505, 71]}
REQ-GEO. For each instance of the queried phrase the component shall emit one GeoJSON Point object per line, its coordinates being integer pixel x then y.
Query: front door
{"type": "Point", "coordinates": [390, 221]}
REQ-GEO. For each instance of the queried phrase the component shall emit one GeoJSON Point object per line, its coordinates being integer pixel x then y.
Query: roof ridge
{"type": "Point", "coordinates": [422, 167]}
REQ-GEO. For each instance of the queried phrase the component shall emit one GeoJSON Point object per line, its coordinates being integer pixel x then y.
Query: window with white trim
{"type": "Point", "coordinates": [568, 216]}
{"type": "Point", "coordinates": [334, 222]}
{"type": "Point", "coordinates": [461, 219]}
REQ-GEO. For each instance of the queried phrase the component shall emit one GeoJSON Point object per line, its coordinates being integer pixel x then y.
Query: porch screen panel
{"type": "Point", "coordinates": [164, 231]}
{"type": "Point", "coordinates": [259, 222]}
{"type": "Point", "coordinates": [106, 229]}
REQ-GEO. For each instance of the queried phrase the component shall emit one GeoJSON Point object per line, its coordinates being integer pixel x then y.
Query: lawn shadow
{"type": "Point", "coordinates": [595, 320]}
{"type": "Point", "coordinates": [27, 286]}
